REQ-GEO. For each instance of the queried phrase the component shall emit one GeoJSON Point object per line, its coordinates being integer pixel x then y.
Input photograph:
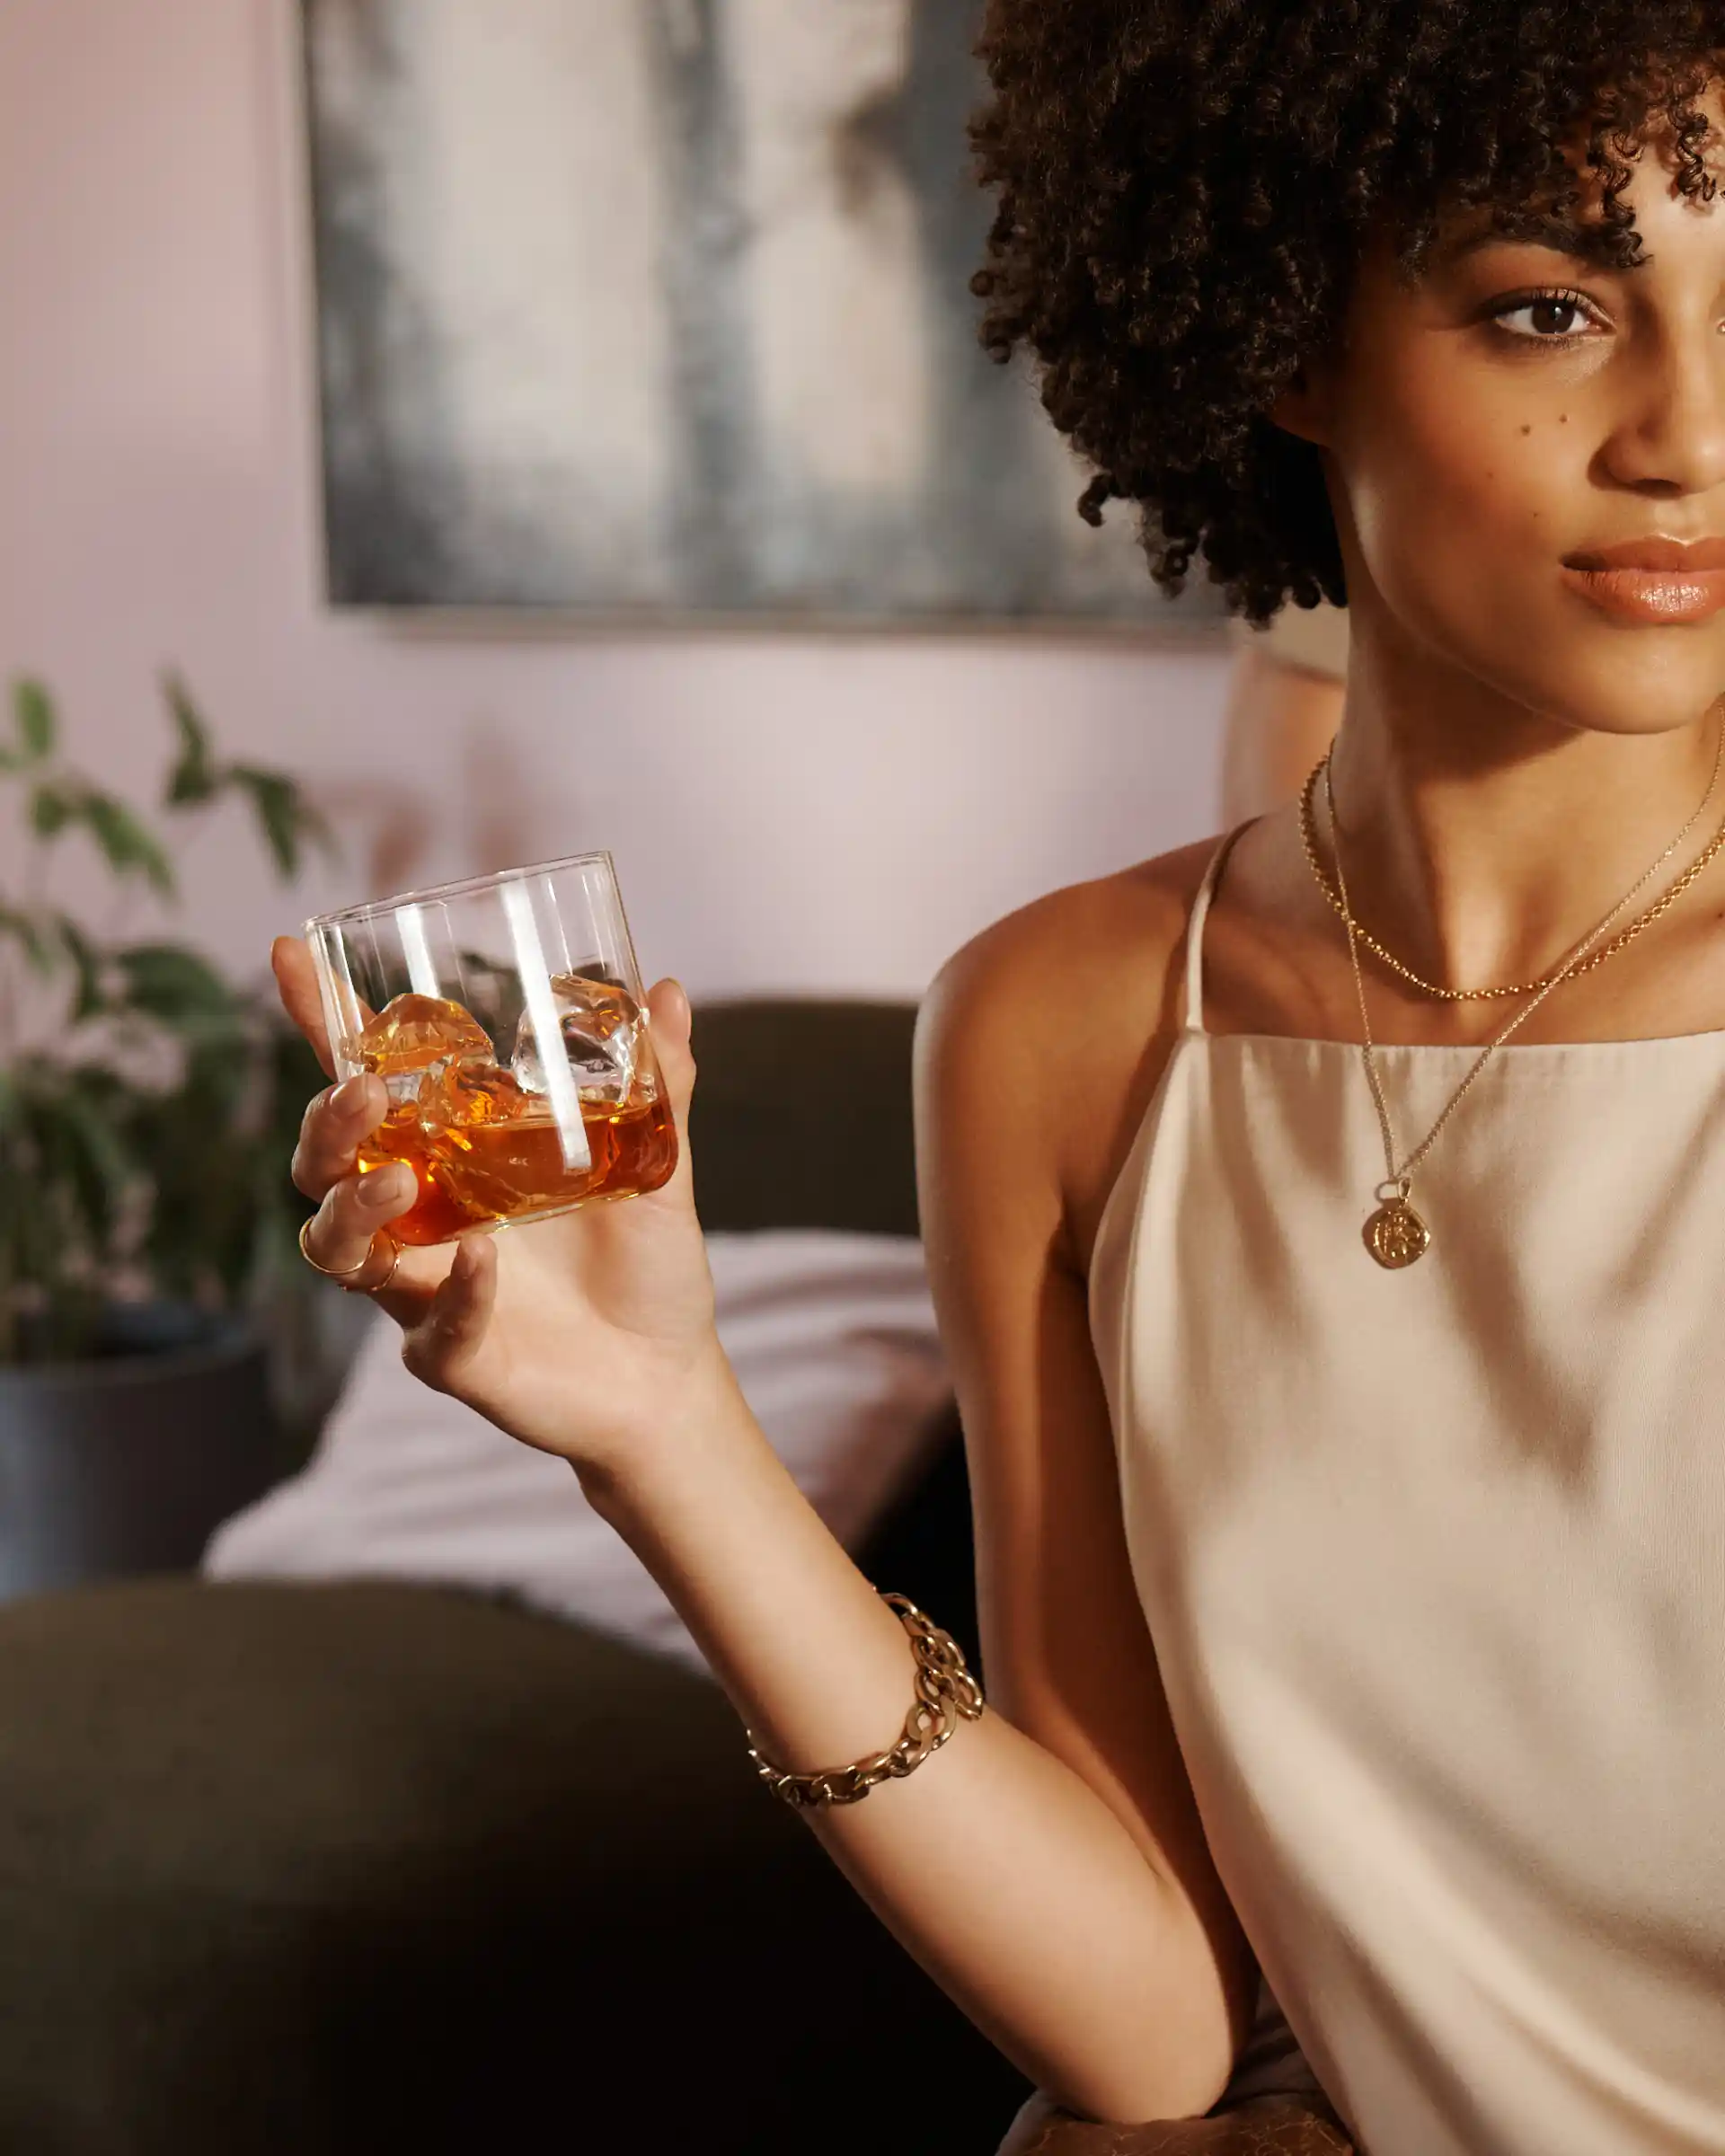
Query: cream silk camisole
{"type": "Point", "coordinates": [1434, 1562]}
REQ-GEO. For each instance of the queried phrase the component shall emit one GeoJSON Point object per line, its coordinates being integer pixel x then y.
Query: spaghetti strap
{"type": "Point", "coordinates": [1193, 1020]}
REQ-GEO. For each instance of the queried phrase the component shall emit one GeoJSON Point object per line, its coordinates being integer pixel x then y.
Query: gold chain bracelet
{"type": "Point", "coordinates": [944, 1688]}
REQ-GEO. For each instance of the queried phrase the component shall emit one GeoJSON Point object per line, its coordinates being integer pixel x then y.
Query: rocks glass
{"type": "Point", "coordinates": [504, 1014]}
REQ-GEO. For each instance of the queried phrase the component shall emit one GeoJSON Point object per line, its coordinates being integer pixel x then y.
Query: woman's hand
{"type": "Point", "coordinates": [587, 1334]}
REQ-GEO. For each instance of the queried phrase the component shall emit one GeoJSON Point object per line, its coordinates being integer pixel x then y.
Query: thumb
{"type": "Point", "coordinates": [296, 973]}
{"type": "Point", "coordinates": [669, 1020]}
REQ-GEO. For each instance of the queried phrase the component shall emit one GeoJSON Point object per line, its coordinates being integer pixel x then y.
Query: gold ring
{"type": "Point", "coordinates": [345, 1276]}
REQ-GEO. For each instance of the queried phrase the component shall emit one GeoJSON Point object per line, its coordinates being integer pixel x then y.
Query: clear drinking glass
{"type": "Point", "coordinates": [505, 1015]}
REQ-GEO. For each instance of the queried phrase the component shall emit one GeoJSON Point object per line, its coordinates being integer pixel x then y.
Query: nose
{"type": "Point", "coordinates": [1671, 441]}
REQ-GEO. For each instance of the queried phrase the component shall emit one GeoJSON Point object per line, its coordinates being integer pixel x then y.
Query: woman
{"type": "Point", "coordinates": [1342, 1418]}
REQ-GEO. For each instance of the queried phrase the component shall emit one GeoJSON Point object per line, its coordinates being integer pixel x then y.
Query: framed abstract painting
{"type": "Point", "coordinates": [660, 309]}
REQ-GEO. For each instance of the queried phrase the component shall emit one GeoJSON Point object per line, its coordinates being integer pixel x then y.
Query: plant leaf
{"type": "Point", "coordinates": [198, 1148]}
{"type": "Point", "coordinates": [44, 1240]}
{"type": "Point", "coordinates": [289, 819]}
{"type": "Point", "coordinates": [51, 809]}
{"type": "Point", "coordinates": [276, 800]}
{"type": "Point", "coordinates": [101, 1168]}
{"type": "Point", "coordinates": [313, 825]}
{"type": "Point", "coordinates": [175, 985]}
{"type": "Point", "coordinates": [75, 1182]}
{"type": "Point", "coordinates": [33, 709]}
{"type": "Point", "coordinates": [36, 933]}
{"type": "Point", "coordinates": [194, 776]}
{"type": "Point", "coordinates": [124, 841]}
{"type": "Point", "coordinates": [87, 960]}
{"type": "Point", "coordinates": [217, 1085]}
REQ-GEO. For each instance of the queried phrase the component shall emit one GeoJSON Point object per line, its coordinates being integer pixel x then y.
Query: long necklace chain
{"type": "Point", "coordinates": [1395, 1235]}
{"type": "Point", "coordinates": [1661, 906]}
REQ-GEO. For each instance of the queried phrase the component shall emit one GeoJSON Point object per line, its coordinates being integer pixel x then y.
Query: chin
{"type": "Point", "coordinates": [1613, 706]}
{"type": "Point", "coordinates": [1600, 678]}
{"type": "Point", "coordinates": [1652, 683]}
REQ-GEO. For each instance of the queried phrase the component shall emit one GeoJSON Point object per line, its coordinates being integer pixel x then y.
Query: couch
{"type": "Point", "coordinates": [384, 1868]}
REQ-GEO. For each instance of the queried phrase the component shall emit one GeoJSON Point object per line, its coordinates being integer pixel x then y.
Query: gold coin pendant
{"type": "Point", "coordinates": [1395, 1235]}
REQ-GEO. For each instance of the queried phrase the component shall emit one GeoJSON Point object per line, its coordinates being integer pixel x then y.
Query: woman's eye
{"type": "Point", "coordinates": [1552, 317]}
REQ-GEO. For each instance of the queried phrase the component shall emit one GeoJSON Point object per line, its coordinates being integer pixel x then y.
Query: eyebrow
{"type": "Point", "coordinates": [1556, 234]}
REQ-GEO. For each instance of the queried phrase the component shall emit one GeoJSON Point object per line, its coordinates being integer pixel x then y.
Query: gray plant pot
{"type": "Point", "coordinates": [128, 1464]}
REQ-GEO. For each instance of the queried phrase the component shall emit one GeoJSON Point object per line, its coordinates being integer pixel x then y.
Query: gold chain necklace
{"type": "Point", "coordinates": [1308, 834]}
{"type": "Point", "coordinates": [1395, 1235]}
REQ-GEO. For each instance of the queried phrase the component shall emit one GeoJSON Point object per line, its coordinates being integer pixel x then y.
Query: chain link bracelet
{"type": "Point", "coordinates": [944, 1689]}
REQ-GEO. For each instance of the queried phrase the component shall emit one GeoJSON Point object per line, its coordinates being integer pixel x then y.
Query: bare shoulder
{"type": "Point", "coordinates": [1045, 1033]}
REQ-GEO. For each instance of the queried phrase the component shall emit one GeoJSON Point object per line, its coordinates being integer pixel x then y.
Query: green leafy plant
{"type": "Point", "coordinates": [149, 1107]}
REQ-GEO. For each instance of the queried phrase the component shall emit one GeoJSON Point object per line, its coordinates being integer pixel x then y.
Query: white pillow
{"type": "Point", "coordinates": [833, 1340]}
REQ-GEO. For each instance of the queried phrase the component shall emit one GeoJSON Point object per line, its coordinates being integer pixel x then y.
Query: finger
{"type": "Point", "coordinates": [448, 1336]}
{"type": "Point", "coordinates": [336, 1123]}
{"type": "Point", "coordinates": [669, 1020]}
{"type": "Point", "coordinates": [296, 973]}
{"type": "Point", "coordinates": [349, 1224]}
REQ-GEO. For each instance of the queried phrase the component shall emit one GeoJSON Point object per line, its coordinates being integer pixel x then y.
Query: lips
{"type": "Point", "coordinates": [1662, 582]}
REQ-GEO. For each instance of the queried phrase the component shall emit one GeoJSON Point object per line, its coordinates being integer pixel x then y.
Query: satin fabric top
{"type": "Point", "coordinates": [1433, 1561]}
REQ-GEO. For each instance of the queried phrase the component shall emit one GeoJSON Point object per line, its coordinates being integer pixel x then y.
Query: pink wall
{"type": "Point", "coordinates": [791, 811]}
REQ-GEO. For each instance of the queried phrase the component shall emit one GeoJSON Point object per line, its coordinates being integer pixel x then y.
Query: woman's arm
{"type": "Point", "coordinates": [1038, 1050]}
{"type": "Point", "coordinates": [1045, 1865]}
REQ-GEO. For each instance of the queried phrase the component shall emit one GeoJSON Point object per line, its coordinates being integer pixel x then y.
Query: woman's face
{"type": "Point", "coordinates": [1527, 459]}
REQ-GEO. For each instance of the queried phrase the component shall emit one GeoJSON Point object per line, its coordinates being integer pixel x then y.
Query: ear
{"type": "Point", "coordinates": [1304, 408]}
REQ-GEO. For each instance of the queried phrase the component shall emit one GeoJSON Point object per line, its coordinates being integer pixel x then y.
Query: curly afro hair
{"type": "Point", "coordinates": [1185, 192]}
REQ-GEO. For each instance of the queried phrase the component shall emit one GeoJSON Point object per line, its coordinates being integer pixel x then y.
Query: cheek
{"type": "Point", "coordinates": [1463, 495]}
{"type": "Point", "coordinates": [1463, 487]}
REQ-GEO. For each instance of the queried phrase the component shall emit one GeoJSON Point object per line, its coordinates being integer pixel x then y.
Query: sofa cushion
{"type": "Point", "coordinates": [348, 1869]}
{"type": "Point", "coordinates": [833, 1339]}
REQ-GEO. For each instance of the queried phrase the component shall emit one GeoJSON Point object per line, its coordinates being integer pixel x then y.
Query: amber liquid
{"type": "Point", "coordinates": [472, 1174]}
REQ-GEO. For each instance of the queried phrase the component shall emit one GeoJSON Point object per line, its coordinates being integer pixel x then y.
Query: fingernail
{"type": "Point", "coordinates": [380, 1186]}
{"type": "Point", "coordinates": [349, 1097]}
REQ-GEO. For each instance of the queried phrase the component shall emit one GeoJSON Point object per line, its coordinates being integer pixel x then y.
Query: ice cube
{"type": "Point", "coordinates": [602, 1027]}
{"type": "Point", "coordinates": [463, 1094]}
{"type": "Point", "coordinates": [415, 1037]}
